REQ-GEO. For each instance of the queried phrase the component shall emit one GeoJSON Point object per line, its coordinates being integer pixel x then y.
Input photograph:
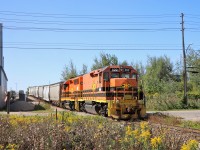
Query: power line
{"type": "Point", "coordinates": [65, 48]}
{"type": "Point", "coordinates": [194, 16]}
{"type": "Point", "coordinates": [89, 30]}
{"type": "Point", "coordinates": [106, 16]}
{"type": "Point", "coordinates": [87, 23]}
{"type": "Point", "coordinates": [88, 44]}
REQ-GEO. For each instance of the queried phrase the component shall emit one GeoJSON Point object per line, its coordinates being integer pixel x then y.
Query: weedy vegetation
{"type": "Point", "coordinates": [69, 131]}
{"type": "Point", "coordinates": [41, 106]}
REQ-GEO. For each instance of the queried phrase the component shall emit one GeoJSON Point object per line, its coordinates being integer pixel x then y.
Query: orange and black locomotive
{"type": "Point", "coordinates": [109, 91]}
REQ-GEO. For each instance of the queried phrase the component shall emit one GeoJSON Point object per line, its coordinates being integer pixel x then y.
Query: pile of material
{"type": "Point", "coordinates": [22, 106]}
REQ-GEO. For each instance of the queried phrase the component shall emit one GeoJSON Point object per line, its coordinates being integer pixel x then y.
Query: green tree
{"type": "Point", "coordinates": [84, 69]}
{"type": "Point", "coordinates": [159, 71]}
{"type": "Point", "coordinates": [104, 60]}
{"type": "Point", "coordinates": [124, 63]}
{"type": "Point", "coordinates": [69, 71]}
{"type": "Point", "coordinates": [139, 67]}
{"type": "Point", "coordinates": [193, 64]}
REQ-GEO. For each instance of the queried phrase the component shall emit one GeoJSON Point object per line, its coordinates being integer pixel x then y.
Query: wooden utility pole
{"type": "Point", "coordinates": [8, 103]}
{"type": "Point", "coordinates": [185, 100]}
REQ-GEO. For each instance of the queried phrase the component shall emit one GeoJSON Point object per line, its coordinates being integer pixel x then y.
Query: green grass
{"type": "Point", "coordinates": [43, 107]}
{"type": "Point", "coordinates": [190, 124]}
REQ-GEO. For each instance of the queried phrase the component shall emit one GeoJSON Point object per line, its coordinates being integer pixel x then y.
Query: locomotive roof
{"type": "Point", "coordinates": [113, 66]}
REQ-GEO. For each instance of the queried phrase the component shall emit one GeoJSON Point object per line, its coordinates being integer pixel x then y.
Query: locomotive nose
{"type": "Point", "coordinates": [123, 82]}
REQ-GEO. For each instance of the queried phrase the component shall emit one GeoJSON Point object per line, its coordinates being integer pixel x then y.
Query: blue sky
{"type": "Point", "coordinates": [38, 57]}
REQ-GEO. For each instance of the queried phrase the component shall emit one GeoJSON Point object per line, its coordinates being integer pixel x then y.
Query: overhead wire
{"type": "Point", "coordinates": [105, 23]}
{"type": "Point", "coordinates": [58, 29]}
{"type": "Point", "coordinates": [89, 30]}
{"type": "Point", "coordinates": [93, 49]}
{"type": "Point", "coordinates": [106, 16]}
{"type": "Point", "coordinates": [89, 44]}
{"type": "Point", "coordinates": [86, 23]}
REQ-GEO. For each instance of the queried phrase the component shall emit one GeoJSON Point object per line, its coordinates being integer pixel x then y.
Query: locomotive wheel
{"type": "Point", "coordinates": [104, 111]}
{"type": "Point", "coordinates": [72, 106]}
{"type": "Point", "coordinates": [82, 106]}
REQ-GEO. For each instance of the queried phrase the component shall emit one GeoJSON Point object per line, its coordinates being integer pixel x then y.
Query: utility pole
{"type": "Point", "coordinates": [185, 100]}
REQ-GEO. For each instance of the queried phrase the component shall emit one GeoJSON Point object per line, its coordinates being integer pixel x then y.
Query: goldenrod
{"type": "Point", "coordinates": [190, 145]}
{"type": "Point", "coordinates": [156, 142]}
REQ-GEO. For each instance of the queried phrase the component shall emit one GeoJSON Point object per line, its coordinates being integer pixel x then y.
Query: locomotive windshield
{"type": "Point", "coordinates": [119, 73]}
{"type": "Point", "coordinates": [125, 75]}
{"type": "Point", "coordinates": [115, 75]}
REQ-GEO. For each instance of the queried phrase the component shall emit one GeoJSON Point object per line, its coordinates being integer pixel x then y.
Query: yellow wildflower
{"type": "Point", "coordinates": [126, 139]}
{"type": "Point", "coordinates": [128, 130]}
{"type": "Point", "coordinates": [156, 142]}
{"type": "Point", "coordinates": [184, 147]}
{"type": "Point", "coordinates": [144, 125]}
{"type": "Point", "coordinates": [190, 145]}
{"type": "Point", "coordinates": [136, 132]}
{"type": "Point", "coordinates": [69, 120]}
{"type": "Point", "coordinates": [100, 126]}
{"type": "Point", "coordinates": [67, 128]}
{"type": "Point", "coordinates": [145, 135]}
{"type": "Point", "coordinates": [12, 146]}
{"type": "Point", "coordinates": [1, 147]}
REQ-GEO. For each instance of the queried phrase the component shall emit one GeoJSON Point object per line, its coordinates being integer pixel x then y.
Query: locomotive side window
{"type": "Point", "coordinates": [115, 75]}
{"type": "Point", "coordinates": [125, 75]}
{"type": "Point", "coordinates": [76, 81]}
{"type": "Point", "coordinates": [105, 76]}
{"type": "Point", "coordinates": [65, 86]}
{"type": "Point", "coordinates": [134, 76]}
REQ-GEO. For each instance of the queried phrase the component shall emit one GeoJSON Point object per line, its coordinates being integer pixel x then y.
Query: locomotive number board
{"type": "Point", "coordinates": [121, 69]}
{"type": "Point", "coordinates": [114, 69]}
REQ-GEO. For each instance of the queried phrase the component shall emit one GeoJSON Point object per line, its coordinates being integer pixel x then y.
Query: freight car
{"type": "Point", "coordinates": [110, 91]}
{"type": "Point", "coordinates": [50, 93]}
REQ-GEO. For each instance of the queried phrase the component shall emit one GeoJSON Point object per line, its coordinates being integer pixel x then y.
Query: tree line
{"type": "Point", "coordinates": [160, 79]}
